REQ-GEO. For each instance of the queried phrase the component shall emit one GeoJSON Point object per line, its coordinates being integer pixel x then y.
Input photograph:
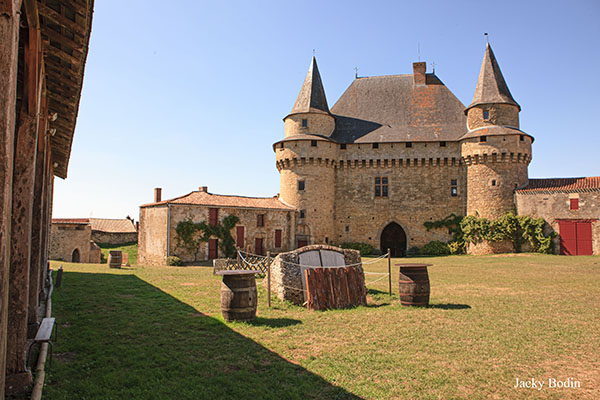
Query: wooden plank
{"type": "Point", "coordinates": [45, 330]}
{"type": "Point", "coordinates": [61, 20]}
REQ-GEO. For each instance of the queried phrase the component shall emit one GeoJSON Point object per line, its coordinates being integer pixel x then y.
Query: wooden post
{"type": "Point", "coordinates": [9, 46]}
{"type": "Point", "coordinates": [390, 271]}
{"type": "Point", "coordinates": [238, 258]}
{"type": "Point", "coordinates": [269, 279]}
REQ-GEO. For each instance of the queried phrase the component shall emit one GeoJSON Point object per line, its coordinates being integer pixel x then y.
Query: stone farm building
{"type": "Point", "coordinates": [77, 239]}
{"type": "Point", "coordinates": [395, 152]}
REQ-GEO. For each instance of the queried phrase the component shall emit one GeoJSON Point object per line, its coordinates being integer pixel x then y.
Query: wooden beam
{"type": "Point", "coordinates": [61, 20]}
{"type": "Point", "coordinates": [58, 37]}
{"type": "Point", "coordinates": [31, 9]}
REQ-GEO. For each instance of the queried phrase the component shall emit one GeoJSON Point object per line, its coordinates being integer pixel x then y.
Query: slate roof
{"type": "Point", "coordinates": [393, 109]}
{"type": "Point", "coordinates": [562, 185]}
{"type": "Point", "coordinates": [312, 94]}
{"type": "Point", "coordinates": [491, 87]}
{"type": "Point", "coordinates": [218, 200]}
{"type": "Point", "coordinates": [112, 225]}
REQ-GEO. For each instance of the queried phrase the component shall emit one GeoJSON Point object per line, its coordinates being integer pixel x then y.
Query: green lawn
{"type": "Point", "coordinates": [130, 248]}
{"type": "Point", "coordinates": [157, 332]}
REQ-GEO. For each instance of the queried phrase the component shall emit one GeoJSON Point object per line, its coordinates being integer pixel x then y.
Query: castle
{"type": "Point", "coordinates": [393, 153]}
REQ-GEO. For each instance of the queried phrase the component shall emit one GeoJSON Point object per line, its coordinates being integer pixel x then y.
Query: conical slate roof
{"type": "Point", "coordinates": [491, 87]}
{"type": "Point", "coordinates": [312, 95]}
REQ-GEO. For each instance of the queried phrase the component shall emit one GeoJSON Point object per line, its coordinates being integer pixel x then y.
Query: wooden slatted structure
{"type": "Point", "coordinates": [43, 49]}
{"type": "Point", "coordinates": [333, 288]}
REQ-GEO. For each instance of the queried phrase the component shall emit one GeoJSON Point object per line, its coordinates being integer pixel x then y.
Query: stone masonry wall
{"type": "Point", "coordinates": [555, 206]}
{"type": "Point", "coordinates": [320, 124]}
{"type": "Point", "coordinates": [500, 114]}
{"type": "Point", "coordinates": [114, 238]}
{"type": "Point", "coordinates": [65, 238]}
{"type": "Point", "coordinates": [152, 244]}
{"type": "Point", "coordinates": [274, 219]}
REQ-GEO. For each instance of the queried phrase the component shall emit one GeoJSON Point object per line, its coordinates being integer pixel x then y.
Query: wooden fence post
{"type": "Point", "coordinates": [389, 257]}
{"type": "Point", "coordinates": [238, 260]}
{"type": "Point", "coordinates": [269, 279]}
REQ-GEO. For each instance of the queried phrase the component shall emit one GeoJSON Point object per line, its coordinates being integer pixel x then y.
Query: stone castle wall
{"type": "Point", "coordinates": [152, 240]}
{"type": "Point", "coordinates": [499, 114]}
{"type": "Point", "coordinates": [320, 124]}
{"type": "Point", "coordinates": [114, 238]}
{"type": "Point", "coordinates": [65, 238]}
{"type": "Point", "coordinates": [555, 206]}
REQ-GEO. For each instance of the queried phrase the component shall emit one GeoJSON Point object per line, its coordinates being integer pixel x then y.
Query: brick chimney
{"type": "Point", "coordinates": [204, 189]}
{"type": "Point", "coordinates": [419, 69]}
{"type": "Point", "coordinates": [157, 194]}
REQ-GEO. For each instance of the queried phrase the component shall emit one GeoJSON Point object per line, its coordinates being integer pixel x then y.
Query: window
{"type": "Point", "coordinates": [260, 220]}
{"type": "Point", "coordinates": [381, 186]}
{"type": "Point", "coordinates": [343, 146]}
{"type": "Point", "coordinates": [213, 216]}
{"type": "Point", "coordinates": [302, 213]}
{"type": "Point", "coordinates": [281, 145]}
{"type": "Point", "coordinates": [313, 143]}
{"type": "Point", "coordinates": [300, 185]}
{"type": "Point", "coordinates": [574, 204]}
{"type": "Point", "coordinates": [493, 182]}
{"type": "Point", "coordinates": [486, 115]}
{"type": "Point", "coordinates": [347, 228]}
{"type": "Point", "coordinates": [453, 187]}
{"type": "Point", "coordinates": [483, 139]}
{"type": "Point", "coordinates": [278, 237]}
{"type": "Point", "coordinates": [326, 240]}
{"type": "Point", "coordinates": [408, 144]}
{"type": "Point", "coordinates": [375, 145]}
{"type": "Point", "coordinates": [522, 138]}
{"type": "Point", "coordinates": [442, 144]}
{"type": "Point", "coordinates": [305, 123]}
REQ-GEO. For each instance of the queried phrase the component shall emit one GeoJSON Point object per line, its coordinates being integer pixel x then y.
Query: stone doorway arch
{"type": "Point", "coordinates": [76, 256]}
{"type": "Point", "coordinates": [393, 237]}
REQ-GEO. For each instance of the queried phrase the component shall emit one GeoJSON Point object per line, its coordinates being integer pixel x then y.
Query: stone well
{"type": "Point", "coordinates": [286, 278]}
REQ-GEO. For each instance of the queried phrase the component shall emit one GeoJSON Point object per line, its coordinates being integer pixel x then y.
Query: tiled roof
{"type": "Point", "coordinates": [218, 200]}
{"type": "Point", "coordinates": [312, 94]}
{"type": "Point", "coordinates": [112, 225]}
{"type": "Point", "coordinates": [84, 221]}
{"type": "Point", "coordinates": [491, 86]}
{"type": "Point", "coordinates": [562, 185]}
{"type": "Point", "coordinates": [393, 109]}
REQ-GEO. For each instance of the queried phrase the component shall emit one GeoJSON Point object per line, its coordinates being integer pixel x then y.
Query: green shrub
{"type": "Point", "coordinates": [103, 259]}
{"type": "Point", "coordinates": [435, 248]}
{"type": "Point", "coordinates": [364, 248]}
{"type": "Point", "coordinates": [457, 247]}
{"type": "Point", "coordinates": [413, 251]}
{"type": "Point", "coordinates": [174, 261]}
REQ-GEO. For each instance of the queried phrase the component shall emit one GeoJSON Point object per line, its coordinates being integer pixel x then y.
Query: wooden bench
{"type": "Point", "coordinates": [43, 335]}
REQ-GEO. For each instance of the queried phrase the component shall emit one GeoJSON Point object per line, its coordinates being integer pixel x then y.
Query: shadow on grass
{"type": "Point", "coordinates": [273, 322]}
{"type": "Point", "coordinates": [377, 305]}
{"type": "Point", "coordinates": [377, 292]}
{"type": "Point", "coordinates": [129, 339]}
{"type": "Point", "coordinates": [450, 306]}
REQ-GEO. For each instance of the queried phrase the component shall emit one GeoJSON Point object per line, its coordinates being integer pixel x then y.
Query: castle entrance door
{"type": "Point", "coordinates": [75, 256]}
{"type": "Point", "coordinates": [393, 237]}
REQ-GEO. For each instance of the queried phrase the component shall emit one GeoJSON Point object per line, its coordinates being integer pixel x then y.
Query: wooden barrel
{"type": "Point", "coordinates": [414, 285]}
{"type": "Point", "coordinates": [114, 258]}
{"type": "Point", "coordinates": [238, 296]}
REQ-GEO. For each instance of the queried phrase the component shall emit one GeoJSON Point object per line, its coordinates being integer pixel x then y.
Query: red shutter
{"type": "Point", "coordinates": [213, 216]}
{"type": "Point", "coordinates": [584, 238]}
{"type": "Point", "coordinates": [568, 238]}
{"type": "Point", "coordinates": [277, 238]}
{"type": "Point", "coordinates": [574, 204]}
{"type": "Point", "coordinates": [258, 246]}
{"type": "Point", "coordinates": [239, 232]}
{"type": "Point", "coordinates": [213, 248]}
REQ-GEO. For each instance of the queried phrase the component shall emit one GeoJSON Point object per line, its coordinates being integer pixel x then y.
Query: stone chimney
{"type": "Point", "coordinates": [157, 194]}
{"type": "Point", "coordinates": [419, 69]}
{"type": "Point", "coordinates": [204, 189]}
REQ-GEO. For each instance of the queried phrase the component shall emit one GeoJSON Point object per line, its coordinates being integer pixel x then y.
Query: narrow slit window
{"type": "Point", "coordinates": [305, 123]}
{"type": "Point", "coordinates": [302, 213]}
{"type": "Point", "coordinates": [453, 187]}
{"type": "Point", "coordinates": [300, 185]}
{"type": "Point", "coordinates": [486, 115]}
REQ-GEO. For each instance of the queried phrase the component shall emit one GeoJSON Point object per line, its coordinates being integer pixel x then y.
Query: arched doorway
{"type": "Point", "coordinates": [393, 237]}
{"type": "Point", "coordinates": [75, 257]}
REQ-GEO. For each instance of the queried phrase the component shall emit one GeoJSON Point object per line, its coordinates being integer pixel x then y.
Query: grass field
{"type": "Point", "coordinates": [130, 248]}
{"type": "Point", "coordinates": [157, 332]}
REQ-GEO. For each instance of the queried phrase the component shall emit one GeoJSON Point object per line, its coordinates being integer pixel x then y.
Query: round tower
{"type": "Point", "coordinates": [305, 160]}
{"type": "Point", "coordinates": [495, 151]}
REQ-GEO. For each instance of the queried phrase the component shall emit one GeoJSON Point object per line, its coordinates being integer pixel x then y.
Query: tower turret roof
{"type": "Point", "coordinates": [312, 95]}
{"type": "Point", "coordinates": [491, 87]}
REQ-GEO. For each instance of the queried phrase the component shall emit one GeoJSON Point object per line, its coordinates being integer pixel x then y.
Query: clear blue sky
{"type": "Point", "coordinates": [182, 94]}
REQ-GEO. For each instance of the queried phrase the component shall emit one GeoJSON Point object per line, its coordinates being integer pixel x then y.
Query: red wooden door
{"type": "Point", "coordinates": [568, 238]}
{"type": "Point", "coordinates": [213, 248]}
{"type": "Point", "coordinates": [239, 234]}
{"type": "Point", "coordinates": [258, 246]}
{"type": "Point", "coordinates": [278, 238]}
{"type": "Point", "coordinates": [584, 238]}
{"type": "Point", "coordinates": [302, 243]}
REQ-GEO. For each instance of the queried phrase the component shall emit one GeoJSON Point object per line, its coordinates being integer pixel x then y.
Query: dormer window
{"type": "Point", "coordinates": [486, 115]}
{"type": "Point", "coordinates": [305, 123]}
